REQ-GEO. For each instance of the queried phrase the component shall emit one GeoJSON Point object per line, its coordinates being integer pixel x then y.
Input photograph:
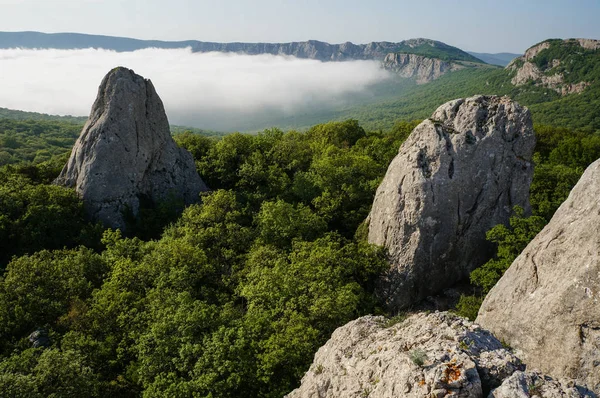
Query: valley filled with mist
{"type": "Point", "coordinates": [215, 91]}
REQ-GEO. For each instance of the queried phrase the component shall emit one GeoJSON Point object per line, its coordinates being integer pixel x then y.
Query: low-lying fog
{"type": "Point", "coordinates": [212, 91]}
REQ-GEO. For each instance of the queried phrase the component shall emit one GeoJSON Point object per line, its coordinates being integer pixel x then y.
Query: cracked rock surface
{"type": "Point", "coordinates": [547, 304]}
{"type": "Point", "coordinates": [533, 384]}
{"type": "Point", "coordinates": [434, 355]}
{"type": "Point", "coordinates": [125, 155]}
{"type": "Point", "coordinates": [457, 175]}
{"type": "Point", "coordinates": [423, 69]}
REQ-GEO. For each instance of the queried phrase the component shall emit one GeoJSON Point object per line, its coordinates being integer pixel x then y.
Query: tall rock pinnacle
{"type": "Point", "coordinates": [125, 154]}
{"type": "Point", "coordinates": [457, 175]}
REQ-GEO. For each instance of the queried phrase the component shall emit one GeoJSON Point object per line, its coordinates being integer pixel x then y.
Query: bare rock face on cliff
{"type": "Point", "coordinates": [435, 355]}
{"type": "Point", "coordinates": [125, 155]}
{"type": "Point", "coordinates": [422, 69]}
{"type": "Point", "coordinates": [548, 64]}
{"type": "Point", "coordinates": [457, 175]}
{"type": "Point", "coordinates": [547, 304]}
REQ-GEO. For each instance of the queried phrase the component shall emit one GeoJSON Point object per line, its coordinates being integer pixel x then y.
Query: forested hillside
{"type": "Point", "coordinates": [22, 115]}
{"type": "Point", "coordinates": [38, 140]}
{"type": "Point", "coordinates": [232, 298]}
{"type": "Point", "coordinates": [403, 101]}
{"type": "Point", "coordinates": [35, 141]}
{"type": "Point", "coordinates": [576, 111]}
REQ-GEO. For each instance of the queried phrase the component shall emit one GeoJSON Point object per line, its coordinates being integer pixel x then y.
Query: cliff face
{"type": "Point", "coordinates": [547, 64]}
{"type": "Point", "coordinates": [322, 51]}
{"type": "Point", "coordinates": [125, 154]}
{"type": "Point", "coordinates": [422, 69]}
{"type": "Point", "coordinates": [311, 49]}
{"type": "Point", "coordinates": [456, 176]}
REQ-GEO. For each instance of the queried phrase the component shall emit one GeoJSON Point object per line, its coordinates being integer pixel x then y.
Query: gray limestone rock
{"type": "Point", "coordinates": [314, 49]}
{"type": "Point", "coordinates": [457, 175]}
{"type": "Point", "coordinates": [39, 338]}
{"type": "Point", "coordinates": [533, 384]}
{"type": "Point", "coordinates": [125, 154]}
{"type": "Point", "coordinates": [422, 69]}
{"type": "Point", "coordinates": [435, 355]}
{"type": "Point", "coordinates": [547, 304]}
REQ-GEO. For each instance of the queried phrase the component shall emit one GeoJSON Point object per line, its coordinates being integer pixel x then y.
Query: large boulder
{"type": "Point", "coordinates": [125, 156]}
{"type": "Point", "coordinates": [533, 384]}
{"type": "Point", "coordinates": [425, 355]}
{"type": "Point", "coordinates": [547, 304]}
{"type": "Point", "coordinates": [457, 175]}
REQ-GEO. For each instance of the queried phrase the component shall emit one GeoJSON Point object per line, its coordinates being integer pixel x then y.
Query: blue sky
{"type": "Point", "coordinates": [475, 25]}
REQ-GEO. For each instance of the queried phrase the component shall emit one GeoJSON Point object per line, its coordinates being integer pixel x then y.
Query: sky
{"type": "Point", "coordinates": [473, 25]}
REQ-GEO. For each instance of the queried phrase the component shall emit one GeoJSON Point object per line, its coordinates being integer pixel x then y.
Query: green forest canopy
{"type": "Point", "coordinates": [233, 297]}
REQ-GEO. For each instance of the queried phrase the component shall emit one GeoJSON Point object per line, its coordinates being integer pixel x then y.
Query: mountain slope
{"type": "Point", "coordinates": [66, 41]}
{"type": "Point", "coordinates": [577, 111]}
{"type": "Point", "coordinates": [22, 115]}
{"type": "Point", "coordinates": [576, 62]}
{"type": "Point", "coordinates": [565, 66]}
{"type": "Point", "coordinates": [434, 49]}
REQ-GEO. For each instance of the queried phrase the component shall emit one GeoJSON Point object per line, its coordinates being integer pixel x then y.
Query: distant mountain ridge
{"type": "Point", "coordinates": [23, 115]}
{"type": "Point", "coordinates": [500, 59]}
{"type": "Point", "coordinates": [311, 49]}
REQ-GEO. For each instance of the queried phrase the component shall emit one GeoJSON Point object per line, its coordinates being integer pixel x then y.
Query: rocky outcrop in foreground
{"type": "Point", "coordinates": [457, 175]}
{"type": "Point", "coordinates": [546, 74]}
{"type": "Point", "coordinates": [547, 304]}
{"type": "Point", "coordinates": [534, 384]}
{"type": "Point", "coordinates": [435, 355]}
{"type": "Point", "coordinates": [422, 69]}
{"type": "Point", "coordinates": [125, 156]}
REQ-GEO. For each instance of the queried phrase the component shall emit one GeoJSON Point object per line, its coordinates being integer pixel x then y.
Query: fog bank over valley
{"type": "Point", "coordinates": [217, 91]}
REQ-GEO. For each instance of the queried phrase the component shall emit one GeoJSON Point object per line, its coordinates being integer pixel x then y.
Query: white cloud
{"type": "Point", "coordinates": [206, 90]}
